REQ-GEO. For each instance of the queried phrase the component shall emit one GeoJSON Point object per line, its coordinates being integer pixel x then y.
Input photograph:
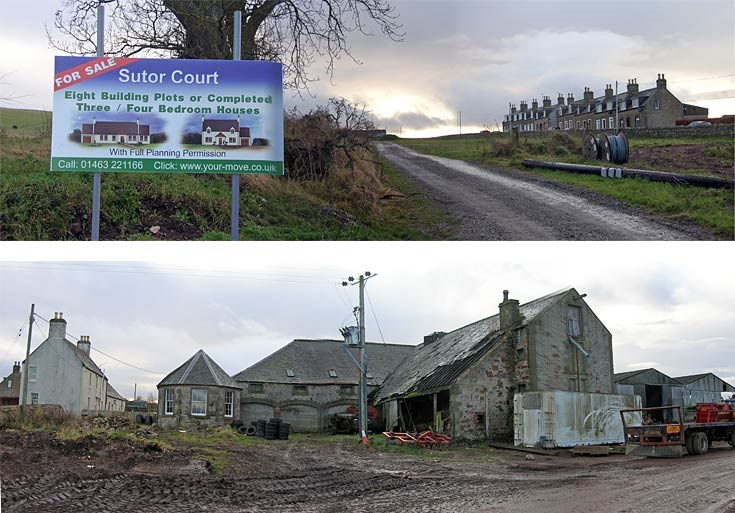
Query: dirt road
{"type": "Point", "coordinates": [510, 205]}
{"type": "Point", "coordinates": [326, 475]}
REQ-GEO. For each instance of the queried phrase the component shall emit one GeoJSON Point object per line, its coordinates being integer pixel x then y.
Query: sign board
{"type": "Point", "coordinates": [117, 114]}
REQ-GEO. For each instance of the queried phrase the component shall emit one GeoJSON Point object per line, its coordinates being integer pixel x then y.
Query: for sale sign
{"type": "Point", "coordinates": [116, 114]}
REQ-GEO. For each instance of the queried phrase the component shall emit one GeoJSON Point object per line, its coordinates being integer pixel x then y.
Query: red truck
{"type": "Point", "coordinates": [663, 431]}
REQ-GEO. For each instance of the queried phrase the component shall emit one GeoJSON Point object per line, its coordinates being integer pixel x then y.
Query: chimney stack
{"type": "Point", "coordinates": [430, 339]}
{"type": "Point", "coordinates": [509, 312]}
{"type": "Point", "coordinates": [84, 344]}
{"type": "Point", "coordinates": [57, 326]}
{"type": "Point", "coordinates": [547, 101]}
{"type": "Point", "coordinates": [524, 106]}
{"type": "Point", "coordinates": [609, 91]}
{"type": "Point", "coordinates": [513, 108]}
{"type": "Point", "coordinates": [661, 82]}
{"type": "Point", "coordinates": [16, 367]}
{"type": "Point", "coordinates": [570, 99]}
{"type": "Point", "coordinates": [534, 105]}
{"type": "Point", "coordinates": [633, 86]}
{"type": "Point", "coordinates": [588, 95]}
{"type": "Point", "coordinates": [560, 99]}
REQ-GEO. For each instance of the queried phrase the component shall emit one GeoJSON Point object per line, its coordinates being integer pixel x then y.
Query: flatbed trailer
{"type": "Point", "coordinates": [662, 432]}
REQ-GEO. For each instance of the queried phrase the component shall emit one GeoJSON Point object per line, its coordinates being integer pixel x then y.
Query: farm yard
{"type": "Point", "coordinates": [121, 470]}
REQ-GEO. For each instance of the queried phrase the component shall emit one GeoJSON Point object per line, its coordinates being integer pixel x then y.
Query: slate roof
{"type": "Point", "coordinates": [438, 364]}
{"type": "Point", "coordinates": [200, 369]}
{"type": "Point", "coordinates": [116, 128]}
{"type": "Point", "coordinates": [311, 361]}
{"type": "Point", "coordinates": [113, 393]}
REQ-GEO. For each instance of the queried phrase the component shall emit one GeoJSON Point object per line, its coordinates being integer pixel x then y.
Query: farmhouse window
{"type": "Point", "coordinates": [198, 402]}
{"type": "Point", "coordinates": [300, 390]}
{"type": "Point", "coordinates": [348, 390]}
{"type": "Point", "coordinates": [10, 383]}
{"type": "Point", "coordinates": [32, 372]}
{"type": "Point", "coordinates": [574, 321]}
{"type": "Point", "coordinates": [657, 104]}
{"type": "Point", "coordinates": [169, 402]}
{"type": "Point", "coordinates": [228, 403]}
{"type": "Point", "coordinates": [256, 388]}
{"type": "Point", "coordinates": [289, 373]}
{"type": "Point", "coordinates": [34, 397]}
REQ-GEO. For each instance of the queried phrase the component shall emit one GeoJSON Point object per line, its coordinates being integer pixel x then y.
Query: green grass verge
{"type": "Point", "coordinates": [711, 209]}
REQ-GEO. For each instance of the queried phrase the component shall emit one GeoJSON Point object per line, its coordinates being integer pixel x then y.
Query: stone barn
{"type": "Point", "coordinates": [463, 382]}
{"type": "Point", "coordinates": [306, 381]}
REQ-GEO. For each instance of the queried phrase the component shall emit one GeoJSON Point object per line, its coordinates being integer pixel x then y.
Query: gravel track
{"type": "Point", "coordinates": [492, 204]}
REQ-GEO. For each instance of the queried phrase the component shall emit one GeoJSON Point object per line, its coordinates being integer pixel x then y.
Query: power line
{"type": "Point", "coordinates": [12, 344]}
{"type": "Point", "coordinates": [108, 355]}
{"type": "Point", "coordinates": [374, 316]}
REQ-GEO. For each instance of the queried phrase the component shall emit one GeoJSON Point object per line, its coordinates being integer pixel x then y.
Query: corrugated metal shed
{"type": "Point", "coordinates": [703, 388]}
{"type": "Point", "coordinates": [439, 363]}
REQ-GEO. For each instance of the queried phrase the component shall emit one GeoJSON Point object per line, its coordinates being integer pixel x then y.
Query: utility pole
{"type": "Point", "coordinates": [459, 120]}
{"type": "Point", "coordinates": [97, 177]}
{"type": "Point", "coordinates": [362, 362]}
{"type": "Point", "coordinates": [24, 381]}
{"type": "Point", "coordinates": [235, 193]}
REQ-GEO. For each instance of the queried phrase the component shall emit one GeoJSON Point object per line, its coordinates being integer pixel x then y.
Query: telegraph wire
{"type": "Point", "coordinates": [15, 340]}
{"type": "Point", "coordinates": [374, 316]}
{"type": "Point", "coordinates": [102, 352]}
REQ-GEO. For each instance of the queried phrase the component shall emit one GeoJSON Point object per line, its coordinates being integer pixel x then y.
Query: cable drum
{"type": "Point", "coordinates": [614, 148]}
{"type": "Point", "coordinates": [590, 147]}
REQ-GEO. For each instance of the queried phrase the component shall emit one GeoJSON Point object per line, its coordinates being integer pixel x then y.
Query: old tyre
{"type": "Point", "coordinates": [243, 429]}
{"type": "Point", "coordinates": [700, 444]}
{"type": "Point", "coordinates": [250, 431]}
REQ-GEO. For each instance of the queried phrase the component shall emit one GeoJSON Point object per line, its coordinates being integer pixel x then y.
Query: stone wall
{"type": "Point", "coordinates": [182, 407]}
{"type": "Point", "coordinates": [305, 412]}
{"type": "Point", "coordinates": [557, 364]}
{"type": "Point", "coordinates": [481, 398]}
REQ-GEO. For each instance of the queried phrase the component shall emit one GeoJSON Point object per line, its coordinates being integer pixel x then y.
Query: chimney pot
{"type": "Point", "coordinates": [505, 295]}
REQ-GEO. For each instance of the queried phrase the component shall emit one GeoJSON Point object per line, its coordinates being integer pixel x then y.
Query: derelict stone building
{"type": "Point", "coordinates": [463, 382]}
{"type": "Point", "coordinates": [651, 108]}
{"type": "Point", "coordinates": [307, 380]}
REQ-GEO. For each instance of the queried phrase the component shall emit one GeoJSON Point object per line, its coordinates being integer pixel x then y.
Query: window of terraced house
{"type": "Point", "coordinates": [228, 403]}
{"type": "Point", "coordinates": [198, 402]}
{"type": "Point", "coordinates": [256, 388]}
{"type": "Point", "coordinates": [169, 402]}
{"type": "Point", "coordinates": [300, 390]}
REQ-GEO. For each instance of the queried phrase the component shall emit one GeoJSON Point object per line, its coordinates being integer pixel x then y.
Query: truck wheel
{"type": "Point", "coordinates": [688, 443]}
{"type": "Point", "coordinates": [700, 444]}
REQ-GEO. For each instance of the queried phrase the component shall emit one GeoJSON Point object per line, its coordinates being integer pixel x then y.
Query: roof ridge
{"type": "Point", "coordinates": [205, 357]}
{"type": "Point", "coordinates": [193, 360]}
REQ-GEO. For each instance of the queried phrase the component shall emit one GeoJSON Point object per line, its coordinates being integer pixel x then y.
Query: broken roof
{"type": "Point", "coordinates": [310, 361]}
{"type": "Point", "coordinates": [438, 364]}
{"type": "Point", "coordinates": [200, 369]}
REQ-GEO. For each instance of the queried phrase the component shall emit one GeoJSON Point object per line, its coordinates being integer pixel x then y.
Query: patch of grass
{"type": "Point", "coordinates": [214, 444]}
{"type": "Point", "coordinates": [36, 204]}
{"type": "Point", "coordinates": [712, 209]}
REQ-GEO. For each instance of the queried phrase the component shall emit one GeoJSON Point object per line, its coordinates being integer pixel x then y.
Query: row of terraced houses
{"type": "Point", "coordinates": [651, 108]}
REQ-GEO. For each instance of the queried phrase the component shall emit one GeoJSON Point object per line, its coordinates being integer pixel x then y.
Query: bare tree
{"type": "Point", "coordinates": [294, 32]}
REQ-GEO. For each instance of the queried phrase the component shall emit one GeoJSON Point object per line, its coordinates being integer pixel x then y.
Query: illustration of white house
{"type": "Point", "coordinates": [224, 132]}
{"type": "Point", "coordinates": [107, 132]}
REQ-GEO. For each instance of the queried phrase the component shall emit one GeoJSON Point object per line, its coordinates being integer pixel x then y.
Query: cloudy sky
{"type": "Point", "coordinates": [668, 305]}
{"type": "Point", "coordinates": [474, 57]}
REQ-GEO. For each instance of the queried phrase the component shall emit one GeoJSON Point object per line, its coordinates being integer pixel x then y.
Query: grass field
{"type": "Point", "coordinates": [36, 204]}
{"type": "Point", "coordinates": [712, 209]}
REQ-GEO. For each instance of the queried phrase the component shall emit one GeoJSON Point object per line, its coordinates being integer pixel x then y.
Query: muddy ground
{"type": "Point", "coordinates": [713, 159]}
{"type": "Point", "coordinates": [323, 474]}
